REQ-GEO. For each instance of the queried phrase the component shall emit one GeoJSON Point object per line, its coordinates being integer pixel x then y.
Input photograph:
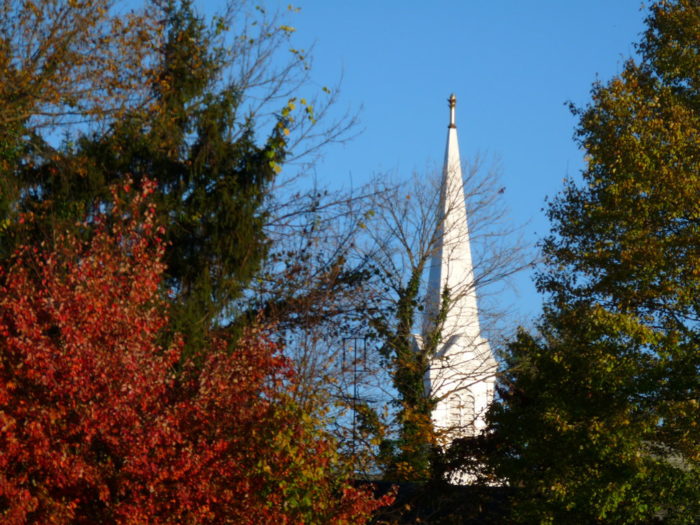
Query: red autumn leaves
{"type": "Point", "coordinates": [100, 422]}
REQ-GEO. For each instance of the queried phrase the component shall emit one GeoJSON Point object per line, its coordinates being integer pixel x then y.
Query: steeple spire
{"type": "Point", "coordinates": [451, 263]}
{"type": "Point", "coordinates": [461, 374]}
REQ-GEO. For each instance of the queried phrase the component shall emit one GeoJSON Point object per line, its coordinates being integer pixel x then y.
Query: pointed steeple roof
{"type": "Point", "coordinates": [461, 373]}
{"type": "Point", "coordinates": [451, 265]}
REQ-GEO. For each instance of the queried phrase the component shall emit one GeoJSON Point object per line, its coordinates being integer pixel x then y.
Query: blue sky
{"type": "Point", "coordinates": [512, 64]}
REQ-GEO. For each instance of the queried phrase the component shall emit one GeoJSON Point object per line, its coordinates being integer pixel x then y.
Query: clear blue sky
{"type": "Point", "coordinates": [512, 64]}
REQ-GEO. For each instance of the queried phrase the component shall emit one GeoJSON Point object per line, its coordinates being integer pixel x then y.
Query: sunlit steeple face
{"type": "Point", "coordinates": [461, 374]}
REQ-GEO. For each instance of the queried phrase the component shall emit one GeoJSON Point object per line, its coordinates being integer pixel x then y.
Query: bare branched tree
{"type": "Point", "coordinates": [273, 75]}
{"type": "Point", "coordinates": [346, 289]}
{"type": "Point", "coordinates": [64, 61]}
{"type": "Point", "coordinates": [413, 331]}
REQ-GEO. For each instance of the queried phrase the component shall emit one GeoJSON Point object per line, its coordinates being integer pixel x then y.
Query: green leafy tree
{"type": "Point", "coordinates": [598, 414]}
{"type": "Point", "coordinates": [198, 133]}
{"type": "Point", "coordinates": [213, 174]}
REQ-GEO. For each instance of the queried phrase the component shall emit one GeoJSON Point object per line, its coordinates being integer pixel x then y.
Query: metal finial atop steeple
{"type": "Point", "coordinates": [453, 102]}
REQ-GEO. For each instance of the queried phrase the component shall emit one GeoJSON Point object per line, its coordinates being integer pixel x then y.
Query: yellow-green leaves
{"type": "Point", "coordinates": [599, 421]}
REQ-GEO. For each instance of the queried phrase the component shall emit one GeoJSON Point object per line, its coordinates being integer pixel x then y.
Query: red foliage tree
{"type": "Point", "coordinates": [96, 425]}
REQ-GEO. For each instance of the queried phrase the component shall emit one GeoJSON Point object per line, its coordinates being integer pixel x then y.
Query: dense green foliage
{"type": "Point", "coordinates": [598, 420]}
{"type": "Point", "coordinates": [212, 174]}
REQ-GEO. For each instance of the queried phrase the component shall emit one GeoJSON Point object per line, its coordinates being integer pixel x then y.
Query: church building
{"type": "Point", "coordinates": [462, 372]}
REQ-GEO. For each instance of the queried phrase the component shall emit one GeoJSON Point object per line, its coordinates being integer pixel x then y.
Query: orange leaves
{"type": "Point", "coordinates": [72, 59]}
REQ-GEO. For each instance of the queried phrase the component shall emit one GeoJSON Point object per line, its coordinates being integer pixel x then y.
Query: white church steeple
{"type": "Point", "coordinates": [461, 374]}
